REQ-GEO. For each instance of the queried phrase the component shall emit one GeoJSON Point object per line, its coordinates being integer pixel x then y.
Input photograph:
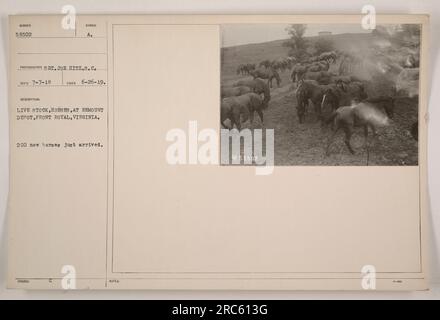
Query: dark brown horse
{"type": "Point", "coordinates": [269, 74]}
{"type": "Point", "coordinates": [239, 109]}
{"type": "Point", "coordinates": [244, 69]}
{"type": "Point", "coordinates": [309, 90]}
{"type": "Point", "coordinates": [234, 91]}
{"type": "Point", "coordinates": [343, 94]}
{"type": "Point", "coordinates": [257, 85]}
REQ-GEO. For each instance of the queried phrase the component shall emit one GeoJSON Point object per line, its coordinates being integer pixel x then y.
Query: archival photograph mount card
{"type": "Point", "coordinates": [223, 152]}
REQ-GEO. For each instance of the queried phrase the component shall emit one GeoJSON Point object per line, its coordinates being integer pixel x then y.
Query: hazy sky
{"type": "Point", "coordinates": [237, 34]}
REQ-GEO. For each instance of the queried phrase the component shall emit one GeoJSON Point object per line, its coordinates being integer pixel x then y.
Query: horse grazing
{"type": "Point", "coordinates": [269, 74]}
{"type": "Point", "coordinates": [364, 114]}
{"type": "Point", "coordinates": [297, 73]}
{"type": "Point", "coordinates": [256, 85]}
{"type": "Point", "coordinates": [282, 64]}
{"type": "Point", "coordinates": [234, 91]}
{"type": "Point", "coordinates": [239, 109]}
{"type": "Point", "coordinates": [307, 90]}
{"type": "Point", "coordinates": [244, 69]}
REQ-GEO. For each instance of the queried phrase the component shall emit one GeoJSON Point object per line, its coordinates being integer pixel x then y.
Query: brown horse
{"type": "Point", "coordinates": [309, 90]}
{"type": "Point", "coordinates": [239, 109]}
{"type": "Point", "coordinates": [269, 74]}
{"type": "Point", "coordinates": [244, 69]}
{"type": "Point", "coordinates": [344, 94]}
{"type": "Point", "coordinates": [234, 91]}
{"type": "Point", "coordinates": [257, 85]}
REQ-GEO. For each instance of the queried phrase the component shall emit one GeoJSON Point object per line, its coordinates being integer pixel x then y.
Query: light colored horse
{"type": "Point", "coordinates": [363, 114]}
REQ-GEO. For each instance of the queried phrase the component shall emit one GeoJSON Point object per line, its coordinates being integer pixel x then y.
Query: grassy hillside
{"type": "Point", "coordinates": [256, 52]}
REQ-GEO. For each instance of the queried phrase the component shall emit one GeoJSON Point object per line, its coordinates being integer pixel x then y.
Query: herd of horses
{"type": "Point", "coordinates": [338, 98]}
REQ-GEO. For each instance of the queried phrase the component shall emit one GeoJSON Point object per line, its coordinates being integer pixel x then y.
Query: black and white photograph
{"type": "Point", "coordinates": [333, 94]}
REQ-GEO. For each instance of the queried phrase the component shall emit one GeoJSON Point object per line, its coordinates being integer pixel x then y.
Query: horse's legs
{"type": "Point", "coordinates": [330, 140]}
{"type": "Point", "coordinates": [300, 111]}
{"type": "Point", "coordinates": [236, 119]}
{"type": "Point", "coordinates": [251, 117]}
{"type": "Point", "coordinates": [348, 133]}
{"type": "Point", "coordinates": [366, 138]}
{"type": "Point", "coordinates": [373, 128]}
{"type": "Point", "coordinates": [260, 113]}
{"type": "Point", "coordinates": [307, 106]}
{"type": "Point", "coordinates": [366, 133]}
